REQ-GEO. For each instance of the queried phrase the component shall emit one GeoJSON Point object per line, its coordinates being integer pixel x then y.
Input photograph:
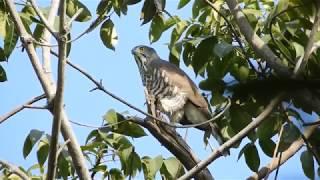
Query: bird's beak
{"type": "Point", "coordinates": [135, 51]}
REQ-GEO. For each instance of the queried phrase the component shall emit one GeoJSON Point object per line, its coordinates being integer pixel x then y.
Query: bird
{"type": "Point", "coordinates": [174, 93]}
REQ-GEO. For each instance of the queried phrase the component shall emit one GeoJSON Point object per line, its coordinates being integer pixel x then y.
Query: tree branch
{"type": "Point", "coordinates": [254, 40]}
{"type": "Point", "coordinates": [287, 154]}
{"type": "Point", "coordinates": [14, 169]}
{"type": "Point", "coordinates": [20, 108]}
{"type": "Point", "coordinates": [58, 100]}
{"type": "Point", "coordinates": [301, 64]}
{"type": "Point", "coordinates": [228, 144]}
{"type": "Point", "coordinates": [43, 18]}
{"type": "Point", "coordinates": [73, 147]}
{"type": "Point", "coordinates": [26, 41]}
{"type": "Point", "coordinates": [168, 137]}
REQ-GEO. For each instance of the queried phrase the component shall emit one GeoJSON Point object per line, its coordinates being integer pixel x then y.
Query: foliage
{"type": "Point", "coordinates": [207, 42]}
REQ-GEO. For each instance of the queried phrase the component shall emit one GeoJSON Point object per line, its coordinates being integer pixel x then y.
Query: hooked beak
{"type": "Point", "coordinates": [135, 51]}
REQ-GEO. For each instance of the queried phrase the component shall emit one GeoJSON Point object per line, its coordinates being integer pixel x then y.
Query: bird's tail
{"type": "Point", "coordinates": [215, 131]}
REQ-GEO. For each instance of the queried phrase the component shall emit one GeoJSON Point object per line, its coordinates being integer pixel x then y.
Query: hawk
{"type": "Point", "coordinates": [175, 94]}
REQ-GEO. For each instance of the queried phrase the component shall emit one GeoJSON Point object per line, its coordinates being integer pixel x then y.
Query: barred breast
{"type": "Point", "coordinates": [170, 97]}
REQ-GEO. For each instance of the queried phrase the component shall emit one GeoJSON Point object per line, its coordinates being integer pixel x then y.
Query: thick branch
{"type": "Point", "coordinates": [20, 108]}
{"type": "Point", "coordinates": [227, 145]}
{"type": "Point", "coordinates": [14, 169]}
{"type": "Point", "coordinates": [58, 101]}
{"type": "Point", "coordinates": [292, 150]}
{"type": "Point", "coordinates": [169, 138]}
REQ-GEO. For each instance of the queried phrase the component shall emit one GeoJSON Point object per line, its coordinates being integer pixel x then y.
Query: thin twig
{"type": "Point", "coordinates": [74, 17]}
{"type": "Point", "coordinates": [62, 147]}
{"type": "Point", "coordinates": [35, 107]}
{"type": "Point", "coordinates": [21, 107]}
{"type": "Point", "coordinates": [14, 169]}
{"type": "Point", "coordinates": [276, 150]}
{"type": "Point", "coordinates": [43, 18]}
{"type": "Point", "coordinates": [278, 166]}
{"type": "Point", "coordinates": [58, 100]}
{"type": "Point", "coordinates": [225, 146]}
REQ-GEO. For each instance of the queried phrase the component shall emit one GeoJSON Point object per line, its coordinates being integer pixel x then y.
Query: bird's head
{"type": "Point", "coordinates": [144, 55]}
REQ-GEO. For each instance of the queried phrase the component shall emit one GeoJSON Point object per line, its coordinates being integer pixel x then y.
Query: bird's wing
{"type": "Point", "coordinates": [180, 79]}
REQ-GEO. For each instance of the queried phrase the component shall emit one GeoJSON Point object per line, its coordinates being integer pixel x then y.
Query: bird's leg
{"type": "Point", "coordinates": [151, 102]}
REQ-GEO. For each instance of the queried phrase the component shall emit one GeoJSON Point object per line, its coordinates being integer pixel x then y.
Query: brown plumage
{"type": "Point", "coordinates": [192, 108]}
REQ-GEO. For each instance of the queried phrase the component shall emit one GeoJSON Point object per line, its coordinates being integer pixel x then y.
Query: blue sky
{"type": "Point", "coordinates": [120, 75]}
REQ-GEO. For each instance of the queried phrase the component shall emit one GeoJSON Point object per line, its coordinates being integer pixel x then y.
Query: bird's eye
{"type": "Point", "coordinates": [141, 49]}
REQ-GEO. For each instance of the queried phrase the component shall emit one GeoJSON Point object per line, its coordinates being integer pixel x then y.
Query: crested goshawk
{"type": "Point", "coordinates": [173, 91]}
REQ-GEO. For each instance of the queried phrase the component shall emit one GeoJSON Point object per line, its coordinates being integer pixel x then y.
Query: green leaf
{"type": "Point", "coordinates": [182, 3]}
{"type": "Point", "coordinates": [131, 2]}
{"type": "Point", "coordinates": [174, 47]}
{"type": "Point", "coordinates": [130, 161]}
{"type": "Point", "coordinates": [32, 138]}
{"type": "Point", "coordinates": [116, 174]}
{"type": "Point", "coordinates": [243, 73]}
{"type": "Point", "coordinates": [3, 21]}
{"type": "Point", "coordinates": [290, 134]}
{"type": "Point", "coordinates": [156, 28]}
{"type": "Point", "coordinates": [252, 157]}
{"type": "Point", "coordinates": [172, 168]}
{"type": "Point", "coordinates": [43, 151]}
{"type": "Point", "coordinates": [267, 146]}
{"type": "Point", "coordinates": [148, 11]}
{"type": "Point", "coordinates": [203, 54]}
{"type": "Point", "coordinates": [299, 49]}
{"type": "Point", "coordinates": [197, 6]}
{"type": "Point", "coordinates": [3, 75]}
{"type": "Point", "coordinates": [222, 49]}
{"type": "Point", "coordinates": [10, 40]}
{"type": "Point", "coordinates": [269, 127]}
{"type": "Point", "coordinates": [126, 127]}
{"type": "Point", "coordinates": [240, 118]}
{"type": "Point", "coordinates": [73, 6]}
{"type": "Point", "coordinates": [108, 34]}
{"type": "Point", "coordinates": [151, 166]}
{"type": "Point", "coordinates": [307, 163]}
{"type": "Point", "coordinates": [104, 7]}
